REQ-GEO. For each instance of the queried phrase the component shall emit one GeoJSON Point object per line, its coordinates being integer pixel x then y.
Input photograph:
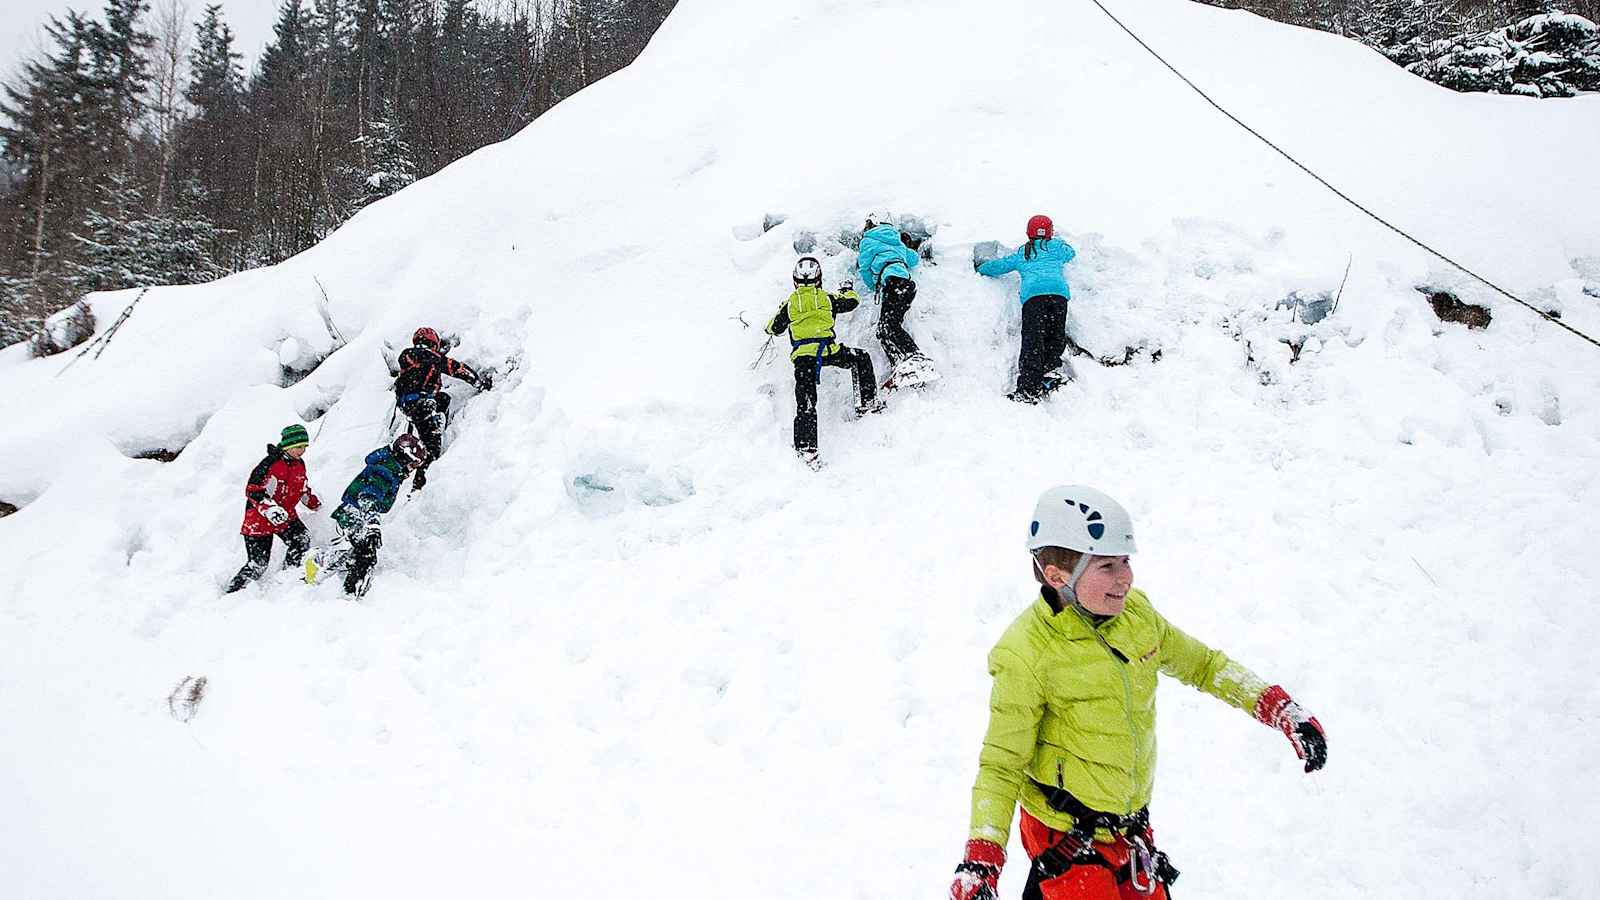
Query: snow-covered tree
{"type": "Point", "coordinates": [119, 247]}
{"type": "Point", "coordinates": [391, 163]}
{"type": "Point", "coordinates": [1547, 55]}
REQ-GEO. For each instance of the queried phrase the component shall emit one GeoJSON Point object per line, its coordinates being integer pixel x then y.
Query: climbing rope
{"type": "Point", "coordinates": [1341, 194]}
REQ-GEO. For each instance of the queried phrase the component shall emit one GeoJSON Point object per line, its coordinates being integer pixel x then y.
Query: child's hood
{"type": "Point", "coordinates": [884, 234]}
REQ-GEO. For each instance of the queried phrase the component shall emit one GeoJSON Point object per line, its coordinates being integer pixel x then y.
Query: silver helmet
{"type": "Point", "coordinates": [807, 270]}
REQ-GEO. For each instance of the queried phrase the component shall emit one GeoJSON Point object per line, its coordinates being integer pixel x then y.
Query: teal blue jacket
{"type": "Point", "coordinates": [1042, 273]}
{"type": "Point", "coordinates": [881, 255]}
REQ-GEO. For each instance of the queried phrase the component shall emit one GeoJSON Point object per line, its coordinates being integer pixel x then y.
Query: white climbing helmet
{"type": "Point", "coordinates": [879, 216]}
{"type": "Point", "coordinates": [1083, 519]}
{"type": "Point", "coordinates": [807, 270]}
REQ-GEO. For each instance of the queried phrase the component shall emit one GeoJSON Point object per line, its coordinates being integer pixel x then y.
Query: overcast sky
{"type": "Point", "coordinates": [22, 25]}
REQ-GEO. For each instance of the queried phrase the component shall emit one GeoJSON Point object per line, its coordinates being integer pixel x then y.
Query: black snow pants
{"type": "Point", "coordinates": [1044, 339]}
{"type": "Point", "coordinates": [258, 553]}
{"type": "Point", "coordinates": [859, 362]}
{"type": "Point", "coordinates": [428, 414]}
{"type": "Point", "coordinates": [363, 557]}
{"type": "Point", "coordinates": [895, 296]}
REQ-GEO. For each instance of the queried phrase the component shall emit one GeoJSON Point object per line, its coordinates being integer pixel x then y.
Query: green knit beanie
{"type": "Point", "coordinates": [294, 436]}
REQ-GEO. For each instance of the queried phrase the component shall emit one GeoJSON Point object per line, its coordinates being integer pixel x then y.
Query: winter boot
{"type": "Point", "coordinates": [355, 587]}
{"type": "Point", "coordinates": [913, 371]}
{"type": "Point", "coordinates": [871, 407]}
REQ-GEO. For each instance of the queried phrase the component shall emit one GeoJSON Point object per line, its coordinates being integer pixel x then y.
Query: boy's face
{"type": "Point", "coordinates": [1103, 587]}
{"type": "Point", "coordinates": [295, 452]}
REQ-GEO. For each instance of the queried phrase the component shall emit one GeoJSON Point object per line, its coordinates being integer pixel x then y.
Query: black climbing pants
{"type": "Point", "coordinates": [1044, 339]}
{"type": "Point", "coordinates": [258, 553]}
{"type": "Point", "coordinates": [428, 414]}
{"type": "Point", "coordinates": [895, 296]}
{"type": "Point", "coordinates": [363, 557]}
{"type": "Point", "coordinates": [859, 362]}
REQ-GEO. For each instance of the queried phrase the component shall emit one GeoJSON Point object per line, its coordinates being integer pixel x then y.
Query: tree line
{"type": "Point", "coordinates": [1391, 24]}
{"type": "Point", "coordinates": [138, 151]}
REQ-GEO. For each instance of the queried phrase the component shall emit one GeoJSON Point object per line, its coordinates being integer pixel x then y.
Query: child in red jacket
{"type": "Point", "coordinates": [276, 487]}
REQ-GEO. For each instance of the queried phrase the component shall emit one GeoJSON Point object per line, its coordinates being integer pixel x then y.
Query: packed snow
{"type": "Point", "coordinates": [626, 643]}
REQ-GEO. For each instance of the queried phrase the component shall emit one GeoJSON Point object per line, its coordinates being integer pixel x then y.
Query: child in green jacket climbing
{"type": "Point", "coordinates": [807, 315]}
{"type": "Point", "coordinates": [1072, 716]}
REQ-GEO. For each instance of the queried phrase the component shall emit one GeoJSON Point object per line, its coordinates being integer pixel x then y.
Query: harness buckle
{"type": "Point", "coordinates": [1075, 847]}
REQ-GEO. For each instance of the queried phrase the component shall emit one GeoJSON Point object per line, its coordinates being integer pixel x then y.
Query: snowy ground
{"type": "Point", "coordinates": [727, 675]}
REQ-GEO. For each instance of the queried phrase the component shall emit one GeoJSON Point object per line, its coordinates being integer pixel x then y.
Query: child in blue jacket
{"type": "Point", "coordinates": [1044, 306]}
{"type": "Point", "coordinates": [371, 494]}
{"type": "Point", "coordinates": [885, 263]}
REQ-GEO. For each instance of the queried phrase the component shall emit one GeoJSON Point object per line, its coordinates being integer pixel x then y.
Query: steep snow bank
{"type": "Point", "coordinates": [624, 643]}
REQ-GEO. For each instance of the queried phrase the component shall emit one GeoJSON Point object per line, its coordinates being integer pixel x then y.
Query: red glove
{"type": "Point", "coordinates": [1303, 730]}
{"type": "Point", "coordinates": [978, 876]}
{"type": "Point", "coordinates": [312, 503]}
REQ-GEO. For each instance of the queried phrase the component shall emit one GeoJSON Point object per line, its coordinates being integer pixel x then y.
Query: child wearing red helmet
{"type": "Point", "coordinates": [1044, 295]}
{"type": "Point", "coordinates": [418, 391]}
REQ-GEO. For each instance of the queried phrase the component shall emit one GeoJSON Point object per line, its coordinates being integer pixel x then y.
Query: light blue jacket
{"type": "Point", "coordinates": [882, 255]}
{"type": "Point", "coordinates": [1040, 275]}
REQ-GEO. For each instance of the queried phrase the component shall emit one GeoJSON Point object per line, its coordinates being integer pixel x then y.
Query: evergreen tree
{"type": "Point", "coordinates": [52, 139]}
{"type": "Point", "coordinates": [121, 247]}
{"type": "Point", "coordinates": [352, 100]}
{"type": "Point", "coordinates": [123, 72]}
{"type": "Point", "coordinates": [213, 145]}
{"type": "Point", "coordinates": [391, 163]}
{"type": "Point", "coordinates": [283, 188]}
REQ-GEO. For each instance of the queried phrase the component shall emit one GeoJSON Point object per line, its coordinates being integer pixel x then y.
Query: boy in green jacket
{"type": "Point", "coordinates": [370, 494]}
{"type": "Point", "coordinates": [1072, 716]}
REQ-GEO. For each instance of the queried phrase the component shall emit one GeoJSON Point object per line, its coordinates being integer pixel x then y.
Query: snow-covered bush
{"type": "Point", "coordinates": [1552, 55]}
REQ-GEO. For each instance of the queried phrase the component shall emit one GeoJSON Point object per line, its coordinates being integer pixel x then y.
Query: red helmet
{"type": "Point", "coordinates": [426, 337]}
{"type": "Point", "coordinates": [410, 450]}
{"type": "Point", "coordinates": [1041, 227]}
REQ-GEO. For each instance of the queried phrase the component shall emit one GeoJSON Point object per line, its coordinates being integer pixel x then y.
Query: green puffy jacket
{"type": "Point", "coordinates": [1074, 707]}
{"type": "Point", "coordinates": [808, 315]}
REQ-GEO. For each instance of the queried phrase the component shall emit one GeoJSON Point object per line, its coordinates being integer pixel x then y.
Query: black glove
{"type": "Point", "coordinates": [1300, 727]}
{"type": "Point", "coordinates": [485, 381]}
{"type": "Point", "coordinates": [1315, 744]}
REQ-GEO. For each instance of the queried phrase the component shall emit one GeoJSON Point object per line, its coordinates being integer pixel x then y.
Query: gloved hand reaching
{"type": "Point", "coordinates": [1275, 708]}
{"type": "Point", "coordinates": [311, 501]}
{"type": "Point", "coordinates": [978, 876]}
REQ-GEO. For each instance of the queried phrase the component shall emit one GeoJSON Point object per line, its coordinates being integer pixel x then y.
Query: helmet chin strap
{"type": "Point", "coordinates": [1069, 591]}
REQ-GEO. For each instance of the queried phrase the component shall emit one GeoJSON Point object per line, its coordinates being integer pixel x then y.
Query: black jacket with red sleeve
{"type": "Point", "coordinates": [422, 370]}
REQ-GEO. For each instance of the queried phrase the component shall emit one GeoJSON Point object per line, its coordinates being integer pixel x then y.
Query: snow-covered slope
{"type": "Point", "coordinates": [728, 675]}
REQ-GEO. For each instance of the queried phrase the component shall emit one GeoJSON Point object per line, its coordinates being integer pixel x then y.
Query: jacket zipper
{"type": "Point", "coordinates": [1127, 707]}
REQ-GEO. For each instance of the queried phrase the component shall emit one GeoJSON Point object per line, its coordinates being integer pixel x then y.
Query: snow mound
{"type": "Point", "coordinates": [623, 620]}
